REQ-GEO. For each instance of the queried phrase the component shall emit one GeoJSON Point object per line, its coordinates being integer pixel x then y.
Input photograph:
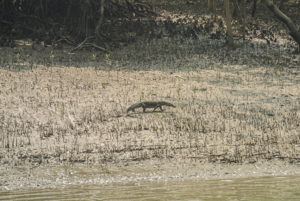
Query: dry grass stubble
{"type": "Point", "coordinates": [54, 115]}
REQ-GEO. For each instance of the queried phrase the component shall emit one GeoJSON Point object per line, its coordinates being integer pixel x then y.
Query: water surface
{"type": "Point", "coordinates": [262, 188]}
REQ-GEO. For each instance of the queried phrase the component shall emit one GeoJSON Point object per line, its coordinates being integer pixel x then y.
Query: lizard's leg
{"type": "Point", "coordinates": [159, 106]}
{"type": "Point", "coordinates": [144, 109]}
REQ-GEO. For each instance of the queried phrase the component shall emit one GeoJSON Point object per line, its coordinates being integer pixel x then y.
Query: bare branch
{"type": "Point", "coordinates": [285, 19]}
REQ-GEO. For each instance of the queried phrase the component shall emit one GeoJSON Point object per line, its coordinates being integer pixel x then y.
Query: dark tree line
{"type": "Point", "coordinates": [82, 20]}
{"type": "Point", "coordinates": [51, 19]}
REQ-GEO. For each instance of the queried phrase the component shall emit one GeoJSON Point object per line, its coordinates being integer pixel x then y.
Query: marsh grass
{"type": "Point", "coordinates": [52, 115]}
{"type": "Point", "coordinates": [224, 112]}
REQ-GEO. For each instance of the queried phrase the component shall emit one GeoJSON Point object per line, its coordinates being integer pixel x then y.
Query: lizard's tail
{"type": "Point", "coordinates": [130, 109]}
{"type": "Point", "coordinates": [134, 106]}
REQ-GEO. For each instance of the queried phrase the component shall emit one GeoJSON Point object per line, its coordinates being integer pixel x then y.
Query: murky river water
{"type": "Point", "coordinates": [264, 188]}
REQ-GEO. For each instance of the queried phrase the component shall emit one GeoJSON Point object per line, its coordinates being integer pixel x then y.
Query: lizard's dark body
{"type": "Point", "coordinates": [150, 104]}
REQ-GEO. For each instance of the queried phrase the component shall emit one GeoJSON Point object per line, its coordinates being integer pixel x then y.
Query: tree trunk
{"type": "Point", "coordinates": [228, 23]}
{"type": "Point", "coordinates": [100, 21]}
{"type": "Point", "coordinates": [244, 17]}
{"type": "Point", "coordinates": [285, 19]}
{"type": "Point", "coordinates": [209, 4]}
{"type": "Point", "coordinates": [214, 9]}
{"type": "Point", "coordinates": [254, 8]}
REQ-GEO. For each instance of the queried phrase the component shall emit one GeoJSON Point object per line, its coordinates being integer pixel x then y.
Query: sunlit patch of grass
{"type": "Point", "coordinates": [71, 115]}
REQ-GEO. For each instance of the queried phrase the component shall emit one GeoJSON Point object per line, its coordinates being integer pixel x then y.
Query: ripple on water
{"type": "Point", "coordinates": [261, 188]}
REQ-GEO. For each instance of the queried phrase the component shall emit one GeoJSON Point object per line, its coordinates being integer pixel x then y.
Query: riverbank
{"type": "Point", "coordinates": [64, 126]}
{"type": "Point", "coordinates": [64, 114]}
{"type": "Point", "coordinates": [41, 177]}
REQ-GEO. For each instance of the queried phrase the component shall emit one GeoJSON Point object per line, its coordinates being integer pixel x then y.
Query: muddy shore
{"type": "Point", "coordinates": [41, 177]}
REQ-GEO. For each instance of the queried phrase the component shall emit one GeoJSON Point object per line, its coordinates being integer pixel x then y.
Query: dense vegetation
{"type": "Point", "coordinates": [96, 23]}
